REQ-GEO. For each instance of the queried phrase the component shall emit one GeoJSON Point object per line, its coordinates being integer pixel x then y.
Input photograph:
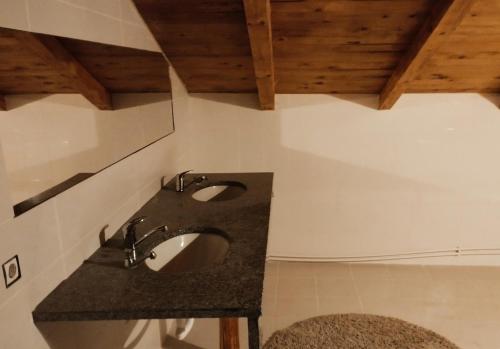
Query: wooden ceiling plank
{"type": "Point", "coordinates": [258, 18]}
{"type": "Point", "coordinates": [443, 20]}
{"type": "Point", "coordinates": [53, 52]}
{"type": "Point", "coordinates": [3, 103]}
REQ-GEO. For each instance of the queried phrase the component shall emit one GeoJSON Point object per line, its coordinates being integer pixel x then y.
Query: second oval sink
{"type": "Point", "coordinates": [220, 191]}
{"type": "Point", "coordinates": [189, 252]}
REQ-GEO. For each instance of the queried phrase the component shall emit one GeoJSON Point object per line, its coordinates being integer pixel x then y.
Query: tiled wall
{"type": "Point", "coordinates": [53, 239]}
{"type": "Point", "coordinates": [80, 139]}
{"type": "Point", "coordinates": [36, 164]}
{"type": "Point", "coordinates": [108, 21]}
{"type": "Point", "coordinates": [6, 210]}
{"type": "Point", "coordinates": [354, 181]}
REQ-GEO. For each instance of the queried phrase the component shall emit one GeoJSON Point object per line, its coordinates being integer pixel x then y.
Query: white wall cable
{"type": "Point", "coordinates": [452, 252]}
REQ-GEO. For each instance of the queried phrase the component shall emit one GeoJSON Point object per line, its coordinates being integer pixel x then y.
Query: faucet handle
{"type": "Point", "coordinates": [182, 174]}
{"type": "Point", "coordinates": [130, 225]}
{"type": "Point", "coordinates": [137, 220]}
{"type": "Point", "coordinates": [179, 181]}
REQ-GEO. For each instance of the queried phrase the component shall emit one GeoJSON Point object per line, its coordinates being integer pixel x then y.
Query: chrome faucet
{"type": "Point", "coordinates": [131, 243]}
{"type": "Point", "coordinates": [179, 181]}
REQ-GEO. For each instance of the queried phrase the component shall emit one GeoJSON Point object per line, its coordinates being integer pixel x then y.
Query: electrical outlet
{"type": "Point", "coordinates": [11, 271]}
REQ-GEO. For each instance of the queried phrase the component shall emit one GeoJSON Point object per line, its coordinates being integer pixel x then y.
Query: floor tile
{"type": "Point", "coordinates": [409, 272]}
{"type": "Point", "coordinates": [370, 271]}
{"type": "Point", "coordinates": [483, 273]}
{"type": "Point", "coordinates": [296, 287]}
{"type": "Point", "coordinates": [339, 305]}
{"type": "Point", "coordinates": [450, 290]}
{"type": "Point", "coordinates": [447, 272]}
{"type": "Point", "coordinates": [460, 303]}
{"type": "Point", "coordinates": [296, 269]}
{"type": "Point", "coordinates": [329, 288]}
{"type": "Point", "coordinates": [333, 271]}
{"type": "Point", "coordinates": [302, 308]}
{"type": "Point", "coordinates": [404, 309]}
{"type": "Point", "coordinates": [376, 288]}
{"type": "Point", "coordinates": [271, 270]}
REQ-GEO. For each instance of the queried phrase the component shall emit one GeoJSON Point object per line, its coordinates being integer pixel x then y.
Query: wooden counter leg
{"type": "Point", "coordinates": [229, 335]}
{"type": "Point", "coordinates": [253, 333]}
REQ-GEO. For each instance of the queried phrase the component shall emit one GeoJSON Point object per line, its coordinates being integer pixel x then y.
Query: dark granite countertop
{"type": "Point", "coordinates": [102, 289]}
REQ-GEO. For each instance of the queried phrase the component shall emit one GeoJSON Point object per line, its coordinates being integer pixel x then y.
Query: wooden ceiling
{"type": "Point", "coordinates": [36, 63]}
{"type": "Point", "coordinates": [205, 40]}
{"type": "Point", "coordinates": [469, 60]}
{"type": "Point", "coordinates": [330, 46]}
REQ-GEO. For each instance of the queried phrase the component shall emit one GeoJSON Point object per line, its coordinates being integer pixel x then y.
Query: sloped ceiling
{"type": "Point", "coordinates": [330, 46]}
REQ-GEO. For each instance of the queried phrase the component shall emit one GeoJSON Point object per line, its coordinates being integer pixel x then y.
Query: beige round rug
{"type": "Point", "coordinates": [356, 331]}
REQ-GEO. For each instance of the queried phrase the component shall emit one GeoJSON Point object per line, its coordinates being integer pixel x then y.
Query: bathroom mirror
{"type": "Point", "coordinates": [72, 108]}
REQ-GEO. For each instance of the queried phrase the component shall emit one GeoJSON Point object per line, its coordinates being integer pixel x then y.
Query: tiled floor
{"type": "Point", "coordinates": [460, 303]}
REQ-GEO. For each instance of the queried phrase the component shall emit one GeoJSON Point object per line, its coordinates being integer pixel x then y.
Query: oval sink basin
{"type": "Point", "coordinates": [220, 191]}
{"type": "Point", "coordinates": [189, 252]}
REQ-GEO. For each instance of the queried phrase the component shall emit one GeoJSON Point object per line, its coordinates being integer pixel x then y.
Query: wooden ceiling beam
{"type": "Point", "coordinates": [443, 20]}
{"type": "Point", "coordinates": [3, 104]}
{"type": "Point", "coordinates": [258, 18]}
{"type": "Point", "coordinates": [52, 51]}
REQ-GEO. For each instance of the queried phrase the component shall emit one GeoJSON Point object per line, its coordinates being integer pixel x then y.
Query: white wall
{"type": "Point", "coordinates": [6, 210]}
{"type": "Point", "coordinates": [54, 238]}
{"type": "Point", "coordinates": [33, 152]}
{"type": "Point", "coordinates": [113, 22]}
{"type": "Point", "coordinates": [47, 139]}
{"type": "Point", "coordinates": [354, 181]}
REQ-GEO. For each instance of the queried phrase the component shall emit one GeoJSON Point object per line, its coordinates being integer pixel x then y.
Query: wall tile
{"type": "Point", "coordinates": [73, 22]}
{"type": "Point", "coordinates": [138, 36]}
{"type": "Point", "coordinates": [54, 238]}
{"type": "Point", "coordinates": [108, 7]}
{"type": "Point", "coordinates": [81, 138]}
{"type": "Point", "coordinates": [130, 13]}
{"type": "Point", "coordinates": [34, 237]}
{"type": "Point", "coordinates": [350, 180]}
{"type": "Point", "coordinates": [13, 14]}
{"type": "Point", "coordinates": [6, 211]}
{"type": "Point", "coordinates": [92, 201]}
{"type": "Point", "coordinates": [16, 312]}
{"type": "Point", "coordinates": [115, 22]}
